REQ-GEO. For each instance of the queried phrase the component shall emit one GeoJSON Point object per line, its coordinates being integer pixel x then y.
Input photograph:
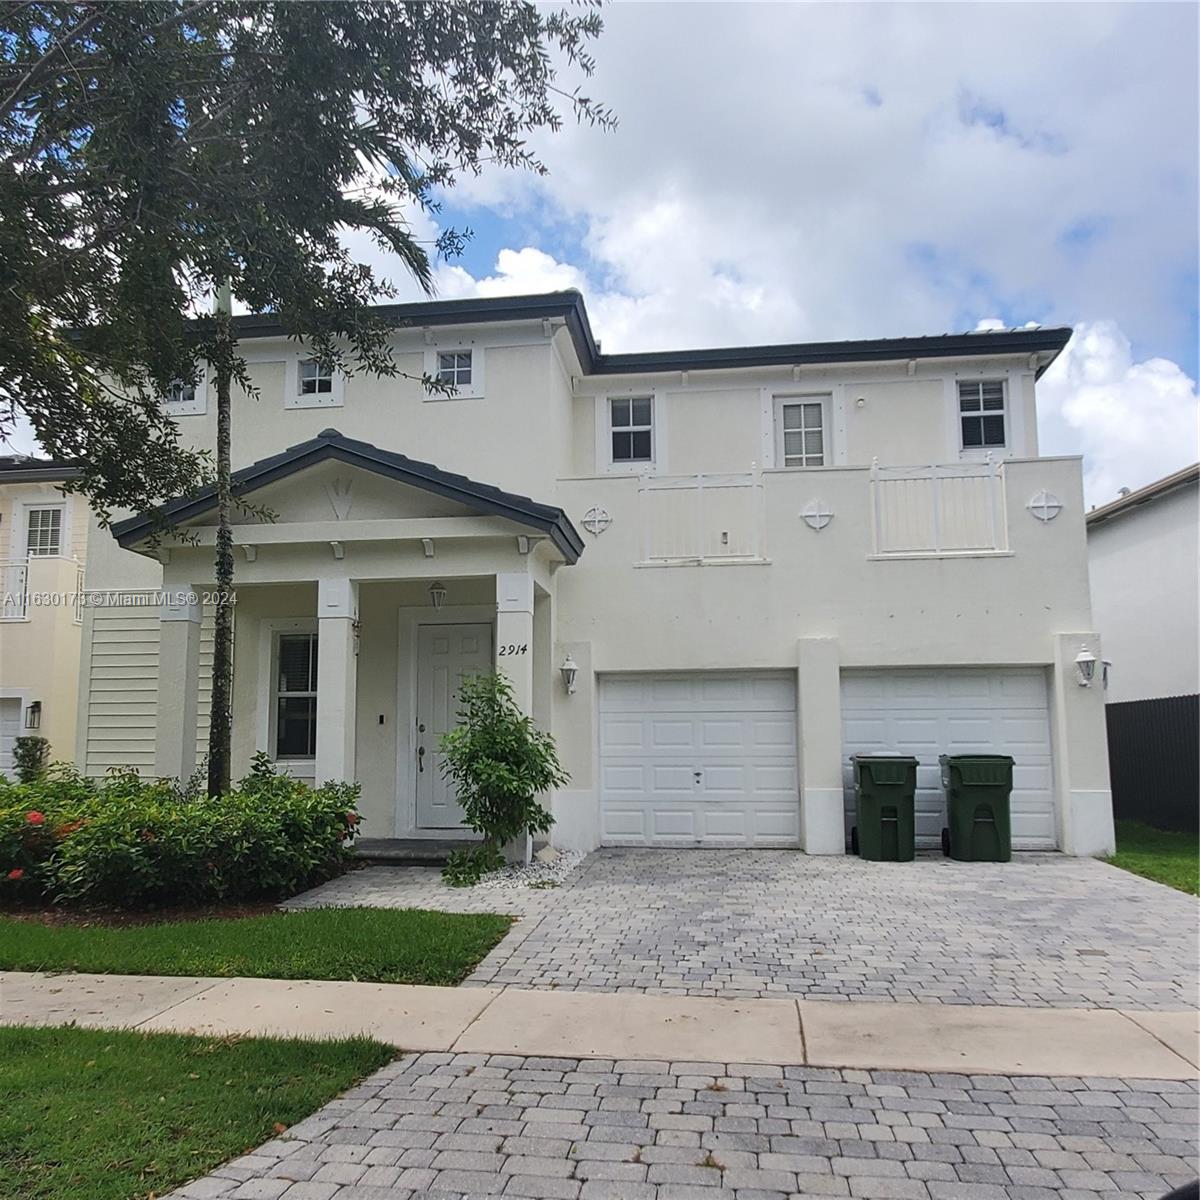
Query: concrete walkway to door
{"type": "Point", "coordinates": [1042, 931]}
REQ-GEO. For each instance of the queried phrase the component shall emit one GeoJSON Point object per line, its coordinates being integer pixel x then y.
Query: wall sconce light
{"type": "Point", "coordinates": [437, 594]}
{"type": "Point", "coordinates": [33, 715]}
{"type": "Point", "coordinates": [1085, 667]}
{"type": "Point", "coordinates": [569, 671]}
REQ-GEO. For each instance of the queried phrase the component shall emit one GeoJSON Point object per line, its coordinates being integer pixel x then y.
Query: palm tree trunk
{"type": "Point", "coordinates": [220, 722]}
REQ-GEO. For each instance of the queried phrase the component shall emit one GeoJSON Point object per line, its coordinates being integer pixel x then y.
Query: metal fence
{"type": "Point", "coordinates": [1154, 760]}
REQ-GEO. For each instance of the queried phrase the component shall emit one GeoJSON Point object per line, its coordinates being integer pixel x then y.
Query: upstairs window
{"type": "Point", "coordinates": [43, 535]}
{"type": "Point", "coordinates": [981, 413]}
{"type": "Point", "coordinates": [454, 368]}
{"type": "Point", "coordinates": [316, 377]}
{"type": "Point", "coordinates": [296, 696]}
{"type": "Point", "coordinates": [802, 433]}
{"type": "Point", "coordinates": [632, 423]}
{"type": "Point", "coordinates": [183, 400]}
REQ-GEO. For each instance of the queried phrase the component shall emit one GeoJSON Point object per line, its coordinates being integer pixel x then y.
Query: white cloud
{"type": "Point", "coordinates": [1133, 421]}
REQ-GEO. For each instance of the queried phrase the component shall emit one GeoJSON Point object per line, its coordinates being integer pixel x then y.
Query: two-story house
{"type": "Point", "coordinates": [43, 544]}
{"type": "Point", "coordinates": [713, 574]}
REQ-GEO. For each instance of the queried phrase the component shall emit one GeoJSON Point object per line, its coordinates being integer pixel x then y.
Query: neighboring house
{"type": "Point", "coordinates": [713, 574]}
{"type": "Point", "coordinates": [1142, 556]}
{"type": "Point", "coordinates": [43, 544]}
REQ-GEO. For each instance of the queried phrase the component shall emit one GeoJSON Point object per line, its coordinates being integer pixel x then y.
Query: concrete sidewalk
{"type": "Point", "coordinates": [784, 1031]}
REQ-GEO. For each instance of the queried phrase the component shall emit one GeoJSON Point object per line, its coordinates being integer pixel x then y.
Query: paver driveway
{"type": "Point", "coordinates": [1043, 930]}
{"type": "Point", "coordinates": [444, 1125]}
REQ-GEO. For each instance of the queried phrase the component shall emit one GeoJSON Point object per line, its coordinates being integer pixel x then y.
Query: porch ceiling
{"type": "Point", "coordinates": [330, 446]}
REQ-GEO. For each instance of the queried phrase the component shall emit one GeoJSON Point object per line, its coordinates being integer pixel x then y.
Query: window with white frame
{"type": "Point", "coordinates": [295, 695]}
{"type": "Point", "coordinates": [183, 400]}
{"type": "Point", "coordinates": [981, 413]}
{"type": "Point", "coordinates": [43, 532]}
{"type": "Point", "coordinates": [316, 377]}
{"type": "Point", "coordinates": [631, 420]}
{"type": "Point", "coordinates": [454, 368]}
{"type": "Point", "coordinates": [800, 431]}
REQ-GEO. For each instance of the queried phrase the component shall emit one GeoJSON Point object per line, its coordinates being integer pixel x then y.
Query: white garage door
{"type": "Point", "coordinates": [698, 759]}
{"type": "Point", "coordinates": [968, 711]}
{"type": "Point", "coordinates": [10, 726]}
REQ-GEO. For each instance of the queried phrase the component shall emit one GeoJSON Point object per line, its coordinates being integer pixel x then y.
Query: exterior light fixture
{"type": "Point", "coordinates": [437, 594]}
{"type": "Point", "coordinates": [33, 715]}
{"type": "Point", "coordinates": [569, 671]}
{"type": "Point", "coordinates": [1085, 667]}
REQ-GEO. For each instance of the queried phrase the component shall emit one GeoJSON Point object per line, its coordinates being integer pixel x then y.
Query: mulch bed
{"type": "Point", "coordinates": [43, 915]}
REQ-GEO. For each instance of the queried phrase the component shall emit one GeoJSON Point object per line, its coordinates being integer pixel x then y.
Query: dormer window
{"type": "Point", "coordinates": [316, 377]}
{"type": "Point", "coordinates": [454, 368]}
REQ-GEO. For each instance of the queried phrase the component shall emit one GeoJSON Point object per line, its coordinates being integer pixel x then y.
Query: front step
{"type": "Point", "coordinates": [408, 852]}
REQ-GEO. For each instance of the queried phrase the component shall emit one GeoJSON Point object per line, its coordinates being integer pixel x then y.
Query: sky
{"type": "Point", "coordinates": [794, 172]}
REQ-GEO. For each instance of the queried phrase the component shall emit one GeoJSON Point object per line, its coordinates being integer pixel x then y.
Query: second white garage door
{"type": "Point", "coordinates": [956, 711]}
{"type": "Point", "coordinates": [698, 759]}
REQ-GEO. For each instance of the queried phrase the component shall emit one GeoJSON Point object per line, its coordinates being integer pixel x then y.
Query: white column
{"type": "Point", "coordinates": [819, 718]}
{"type": "Point", "coordinates": [178, 685]}
{"type": "Point", "coordinates": [337, 679]}
{"type": "Point", "coordinates": [1085, 816]}
{"type": "Point", "coordinates": [514, 659]}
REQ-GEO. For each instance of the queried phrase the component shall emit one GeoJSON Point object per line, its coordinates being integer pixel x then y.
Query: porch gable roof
{"type": "Point", "coordinates": [329, 445]}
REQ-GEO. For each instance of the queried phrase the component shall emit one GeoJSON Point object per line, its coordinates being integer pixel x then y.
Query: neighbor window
{"type": "Point", "coordinates": [316, 377]}
{"type": "Point", "coordinates": [181, 393]}
{"type": "Point", "coordinates": [802, 433]}
{"type": "Point", "coordinates": [632, 429]}
{"type": "Point", "coordinates": [44, 533]}
{"type": "Point", "coordinates": [296, 696]}
{"type": "Point", "coordinates": [454, 367]}
{"type": "Point", "coordinates": [981, 412]}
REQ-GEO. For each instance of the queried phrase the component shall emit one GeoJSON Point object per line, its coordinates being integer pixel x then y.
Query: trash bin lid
{"type": "Point", "coordinates": [982, 770]}
{"type": "Point", "coordinates": [886, 768]}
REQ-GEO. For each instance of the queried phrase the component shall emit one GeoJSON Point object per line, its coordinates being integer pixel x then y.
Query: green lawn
{"type": "Point", "coordinates": [101, 1115]}
{"type": "Point", "coordinates": [380, 945]}
{"type": "Point", "coordinates": [1170, 858]}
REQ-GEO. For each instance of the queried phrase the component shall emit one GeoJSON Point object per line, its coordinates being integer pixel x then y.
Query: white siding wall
{"type": "Point", "coordinates": [121, 669]}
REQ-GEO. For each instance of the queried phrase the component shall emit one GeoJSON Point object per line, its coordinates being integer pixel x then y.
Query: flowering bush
{"type": "Point", "coordinates": [133, 842]}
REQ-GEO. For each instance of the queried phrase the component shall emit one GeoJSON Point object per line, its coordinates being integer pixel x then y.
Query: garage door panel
{"type": "Point", "coordinates": [10, 729]}
{"type": "Point", "coordinates": [714, 761]}
{"type": "Point", "coordinates": [956, 711]}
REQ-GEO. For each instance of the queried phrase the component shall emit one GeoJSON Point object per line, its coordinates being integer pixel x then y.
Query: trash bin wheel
{"type": "Point", "coordinates": [854, 839]}
{"type": "Point", "coordinates": [946, 842]}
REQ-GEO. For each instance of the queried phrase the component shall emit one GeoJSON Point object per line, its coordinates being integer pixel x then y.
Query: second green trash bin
{"type": "Point", "coordinates": [978, 787]}
{"type": "Point", "coordinates": [884, 785]}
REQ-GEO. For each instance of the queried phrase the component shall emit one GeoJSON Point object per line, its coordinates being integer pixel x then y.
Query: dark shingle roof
{"type": "Point", "coordinates": [328, 445]}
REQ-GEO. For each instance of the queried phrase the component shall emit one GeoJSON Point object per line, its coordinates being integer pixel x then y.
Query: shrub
{"type": "Point", "coordinates": [30, 756]}
{"type": "Point", "coordinates": [132, 842]}
{"type": "Point", "coordinates": [500, 762]}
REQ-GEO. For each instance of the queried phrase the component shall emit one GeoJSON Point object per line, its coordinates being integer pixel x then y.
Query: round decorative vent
{"type": "Point", "coordinates": [816, 514]}
{"type": "Point", "coordinates": [1045, 505]}
{"type": "Point", "coordinates": [596, 520]}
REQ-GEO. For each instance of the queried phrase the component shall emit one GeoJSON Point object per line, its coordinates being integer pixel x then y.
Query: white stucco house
{"type": "Point", "coordinates": [713, 574]}
{"type": "Point", "coordinates": [1143, 551]}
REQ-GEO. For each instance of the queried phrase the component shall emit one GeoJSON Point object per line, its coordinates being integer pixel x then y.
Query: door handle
{"type": "Point", "coordinates": [421, 760]}
{"type": "Point", "coordinates": [698, 775]}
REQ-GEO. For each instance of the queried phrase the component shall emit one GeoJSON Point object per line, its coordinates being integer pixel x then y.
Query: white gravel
{"type": "Point", "coordinates": [535, 875]}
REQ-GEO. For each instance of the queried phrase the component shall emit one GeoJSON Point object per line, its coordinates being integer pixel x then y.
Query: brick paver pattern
{"type": "Point", "coordinates": [1043, 930]}
{"type": "Point", "coordinates": [438, 1125]}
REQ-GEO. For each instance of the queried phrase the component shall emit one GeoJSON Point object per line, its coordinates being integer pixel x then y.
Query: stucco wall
{"type": "Point", "coordinates": [1146, 598]}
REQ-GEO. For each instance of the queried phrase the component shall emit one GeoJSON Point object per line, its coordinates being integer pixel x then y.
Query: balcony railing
{"type": "Point", "coordinates": [14, 589]}
{"type": "Point", "coordinates": [949, 509]}
{"type": "Point", "coordinates": [701, 518]}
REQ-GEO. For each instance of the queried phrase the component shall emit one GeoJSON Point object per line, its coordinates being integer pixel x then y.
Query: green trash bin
{"type": "Point", "coordinates": [883, 798]}
{"type": "Point", "coordinates": [977, 787]}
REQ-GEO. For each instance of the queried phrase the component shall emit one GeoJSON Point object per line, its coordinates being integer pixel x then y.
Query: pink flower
{"type": "Point", "coordinates": [16, 873]}
{"type": "Point", "coordinates": [35, 817]}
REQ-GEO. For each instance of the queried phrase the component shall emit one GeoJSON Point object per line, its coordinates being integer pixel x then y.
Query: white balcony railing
{"type": "Point", "coordinates": [701, 518]}
{"type": "Point", "coordinates": [14, 589]}
{"type": "Point", "coordinates": [939, 510]}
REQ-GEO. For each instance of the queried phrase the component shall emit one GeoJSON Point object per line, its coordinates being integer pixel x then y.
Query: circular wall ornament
{"type": "Point", "coordinates": [816, 514]}
{"type": "Point", "coordinates": [1045, 505]}
{"type": "Point", "coordinates": [596, 520]}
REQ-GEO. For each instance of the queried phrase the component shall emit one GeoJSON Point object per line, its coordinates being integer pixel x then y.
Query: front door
{"type": "Point", "coordinates": [445, 653]}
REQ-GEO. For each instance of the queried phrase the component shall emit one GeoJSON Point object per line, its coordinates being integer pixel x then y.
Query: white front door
{"type": "Point", "coordinates": [10, 727]}
{"type": "Point", "coordinates": [699, 759]}
{"type": "Point", "coordinates": [961, 710]}
{"type": "Point", "coordinates": [445, 653]}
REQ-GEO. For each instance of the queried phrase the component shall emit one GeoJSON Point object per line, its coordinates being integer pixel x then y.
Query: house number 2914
{"type": "Point", "coordinates": [512, 648]}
